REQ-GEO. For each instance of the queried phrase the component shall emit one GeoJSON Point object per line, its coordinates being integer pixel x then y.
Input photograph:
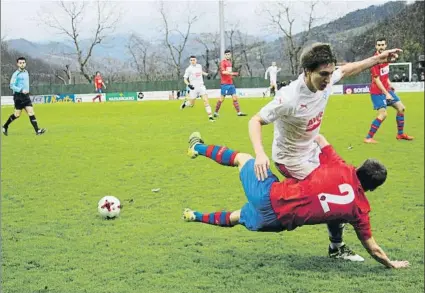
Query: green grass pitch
{"type": "Point", "coordinates": [54, 241]}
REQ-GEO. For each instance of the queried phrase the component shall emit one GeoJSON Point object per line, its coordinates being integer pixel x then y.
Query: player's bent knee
{"type": "Point", "coordinates": [241, 159]}
{"type": "Point", "coordinates": [235, 217]}
{"type": "Point", "coordinates": [382, 114]}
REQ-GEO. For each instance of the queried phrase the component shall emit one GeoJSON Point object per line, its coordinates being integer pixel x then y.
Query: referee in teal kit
{"type": "Point", "coordinates": [20, 85]}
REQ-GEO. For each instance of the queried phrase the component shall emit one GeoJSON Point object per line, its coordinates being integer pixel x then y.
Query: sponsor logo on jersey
{"type": "Point", "coordinates": [315, 122]}
{"type": "Point", "coordinates": [385, 70]}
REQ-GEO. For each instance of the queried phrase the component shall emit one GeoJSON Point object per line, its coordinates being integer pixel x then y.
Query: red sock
{"type": "Point", "coordinates": [236, 105]}
{"type": "Point", "coordinates": [217, 106]}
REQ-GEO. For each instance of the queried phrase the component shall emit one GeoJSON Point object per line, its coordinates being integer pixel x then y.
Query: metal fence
{"type": "Point", "coordinates": [241, 82]}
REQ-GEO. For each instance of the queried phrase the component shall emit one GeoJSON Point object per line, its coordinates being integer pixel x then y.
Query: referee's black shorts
{"type": "Point", "coordinates": [21, 101]}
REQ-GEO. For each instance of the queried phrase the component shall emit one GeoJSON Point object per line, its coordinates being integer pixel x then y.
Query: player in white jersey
{"type": "Point", "coordinates": [272, 71]}
{"type": "Point", "coordinates": [193, 78]}
{"type": "Point", "coordinates": [297, 113]}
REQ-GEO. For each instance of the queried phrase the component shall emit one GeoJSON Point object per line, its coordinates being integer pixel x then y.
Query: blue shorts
{"type": "Point", "coordinates": [258, 214]}
{"type": "Point", "coordinates": [228, 89]}
{"type": "Point", "coordinates": [380, 101]}
{"type": "Point", "coordinates": [99, 90]}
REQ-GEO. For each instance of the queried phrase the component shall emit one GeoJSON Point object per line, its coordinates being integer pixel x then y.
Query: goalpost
{"type": "Point", "coordinates": [399, 66]}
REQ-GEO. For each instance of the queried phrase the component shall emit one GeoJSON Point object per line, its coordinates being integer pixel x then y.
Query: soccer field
{"type": "Point", "coordinates": [53, 239]}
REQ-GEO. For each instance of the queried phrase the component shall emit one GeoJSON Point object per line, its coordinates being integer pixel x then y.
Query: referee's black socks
{"type": "Point", "coordinates": [33, 121]}
{"type": "Point", "coordinates": [11, 118]}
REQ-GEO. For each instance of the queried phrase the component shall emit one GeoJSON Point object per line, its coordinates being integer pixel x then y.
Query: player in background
{"type": "Point", "coordinates": [272, 71]}
{"type": "Point", "coordinates": [193, 78]}
{"type": "Point", "coordinates": [227, 86]}
{"type": "Point", "coordinates": [333, 192]}
{"type": "Point", "coordinates": [98, 85]}
{"type": "Point", "coordinates": [383, 95]}
{"type": "Point", "coordinates": [297, 112]}
{"type": "Point", "coordinates": [20, 85]}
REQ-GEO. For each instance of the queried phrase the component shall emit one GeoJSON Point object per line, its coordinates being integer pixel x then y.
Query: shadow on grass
{"type": "Point", "coordinates": [326, 264]}
{"type": "Point", "coordinates": [314, 264]}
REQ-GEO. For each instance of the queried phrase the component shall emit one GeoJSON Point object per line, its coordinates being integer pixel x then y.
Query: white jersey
{"type": "Point", "coordinates": [272, 70]}
{"type": "Point", "coordinates": [297, 115]}
{"type": "Point", "coordinates": [194, 74]}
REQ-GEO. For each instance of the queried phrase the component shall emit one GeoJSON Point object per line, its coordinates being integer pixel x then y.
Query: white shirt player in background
{"type": "Point", "coordinates": [272, 71]}
{"type": "Point", "coordinates": [297, 112]}
{"type": "Point", "coordinates": [193, 78]}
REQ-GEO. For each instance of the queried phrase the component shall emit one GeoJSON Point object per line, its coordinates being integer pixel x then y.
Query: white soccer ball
{"type": "Point", "coordinates": [109, 207]}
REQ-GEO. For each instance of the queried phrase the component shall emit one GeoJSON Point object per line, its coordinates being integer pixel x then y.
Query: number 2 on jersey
{"type": "Point", "coordinates": [326, 198]}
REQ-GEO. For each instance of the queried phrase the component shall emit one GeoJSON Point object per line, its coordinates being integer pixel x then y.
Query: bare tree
{"type": "Point", "coordinates": [138, 49]}
{"type": "Point", "coordinates": [243, 50]}
{"type": "Point", "coordinates": [176, 50]}
{"type": "Point", "coordinates": [236, 54]}
{"type": "Point", "coordinates": [147, 59]}
{"type": "Point", "coordinates": [68, 75]}
{"type": "Point", "coordinates": [261, 54]}
{"type": "Point", "coordinates": [203, 39]}
{"type": "Point", "coordinates": [113, 69]}
{"type": "Point", "coordinates": [215, 53]}
{"type": "Point", "coordinates": [234, 49]}
{"type": "Point", "coordinates": [211, 44]}
{"type": "Point", "coordinates": [280, 17]}
{"type": "Point", "coordinates": [249, 51]}
{"type": "Point", "coordinates": [70, 26]}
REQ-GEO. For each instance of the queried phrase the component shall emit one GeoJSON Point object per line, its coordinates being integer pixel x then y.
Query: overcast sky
{"type": "Point", "coordinates": [22, 19]}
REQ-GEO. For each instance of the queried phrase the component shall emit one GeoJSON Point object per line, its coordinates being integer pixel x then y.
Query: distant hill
{"type": "Point", "coordinates": [342, 31]}
{"type": "Point", "coordinates": [361, 17]}
{"type": "Point", "coordinates": [41, 71]}
{"type": "Point", "coordinates": [403, 30]}
{"type": "Point", "coordinates": [352, 36]}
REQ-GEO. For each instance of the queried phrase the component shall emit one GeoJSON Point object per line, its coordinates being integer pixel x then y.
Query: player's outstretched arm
{"type": "Point", "coordinates": [354, 68]}
{"type": "Point", "coordinates": [379, 255]}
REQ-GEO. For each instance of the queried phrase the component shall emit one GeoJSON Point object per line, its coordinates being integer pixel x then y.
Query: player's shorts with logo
{"type": "Point", "coordinates": [258, 214]}
{"type": "Point", "coordinates": [380, 101]}
{"type": "Point", "coordinates": [228, 89]}
{"type": "Point", "coordinates": [21, 101]}
{"type": "Point", "coordinates": [197, 92]}
{"type": "Point", "coordinates": [273, 82]}
{"type": "Point", "coordinates": [99, 90]}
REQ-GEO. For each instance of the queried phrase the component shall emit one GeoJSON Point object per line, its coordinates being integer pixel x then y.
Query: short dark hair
{"type": "Point", "coordinates": [371, 174]}
{"type": "Point", "coordinates": [227, 51]}
{"type": "Point", "coordinates": [21, 58]}
{"type": "Point", "coordinates": [381, 39]}
{"type": "Point", "coordinates": [316, 55]}
{"type": "Point", "coordinates": [192, 56]}
{"type": "Point", "coordinates": [97, 72]}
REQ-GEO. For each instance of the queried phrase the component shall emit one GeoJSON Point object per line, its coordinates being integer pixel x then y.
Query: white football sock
{"type": "Point", "coordinates": [337, 245]}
